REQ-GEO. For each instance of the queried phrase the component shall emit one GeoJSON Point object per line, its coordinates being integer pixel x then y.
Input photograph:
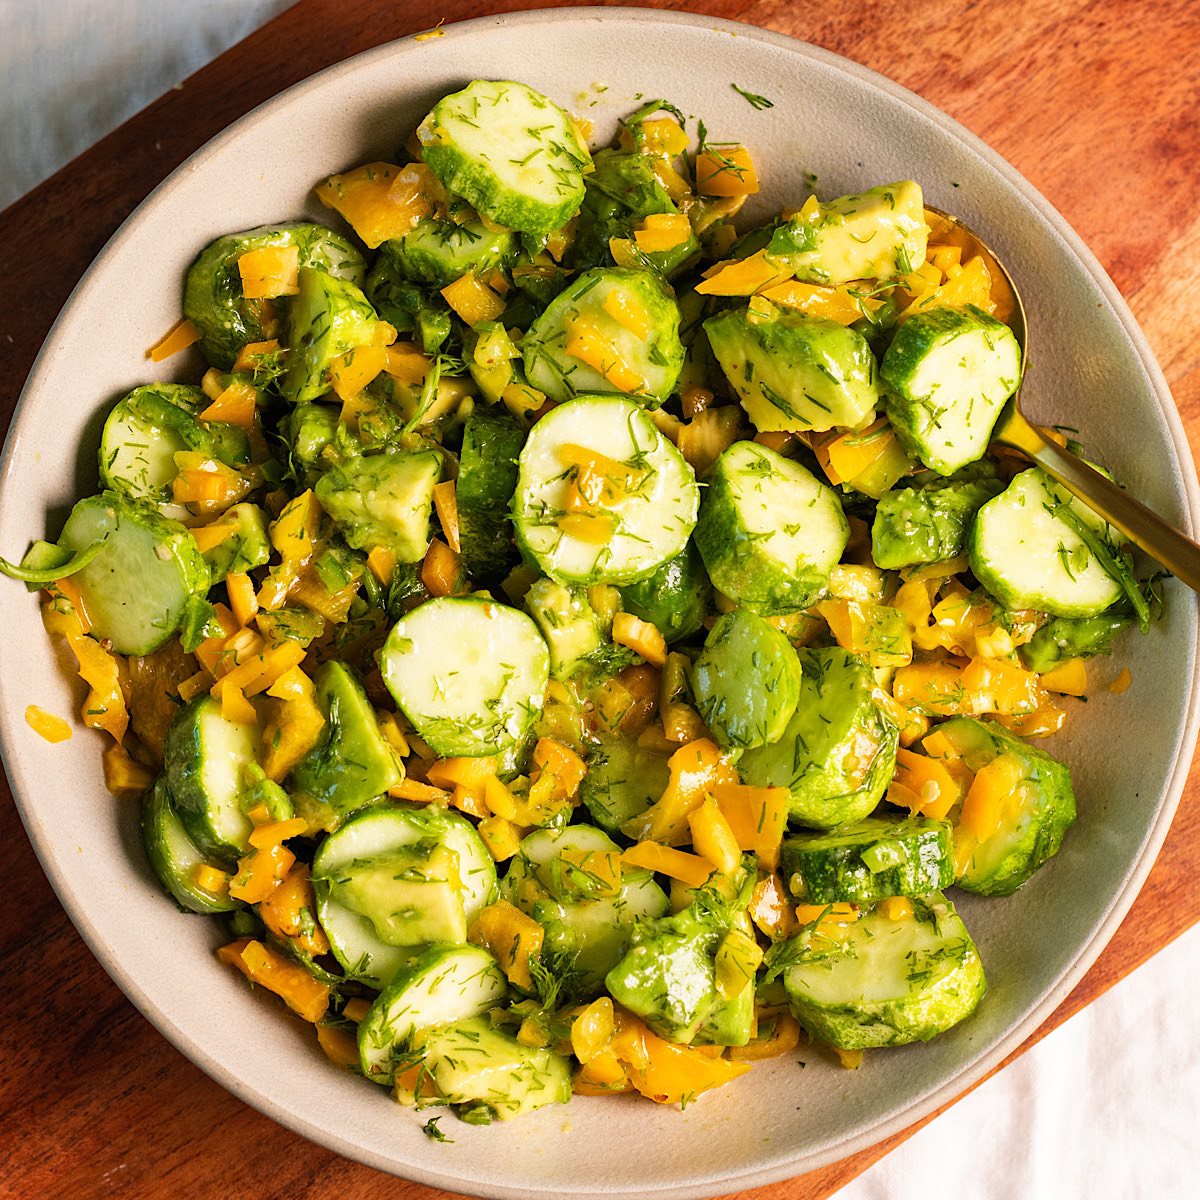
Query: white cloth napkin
{"type": "Point", "coordinates": [1107, 1107]}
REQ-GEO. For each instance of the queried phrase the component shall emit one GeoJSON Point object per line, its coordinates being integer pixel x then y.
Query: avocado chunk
{"type": "Point", "coordinates": [353, 763]}
{"type": "Point", "coordinates": [931, 523]}
{"type": "Point", "coordinates": [383, 500]}
{"type": "Point", "coordinates": [247, 547]}
{"type": "Point", "coordinates": [838, 752]}
{"type": "Point", "coordinates": [473, 1064]}
{"type": "Point", "coordinates": [876, 234]}
{"type": "Point", "coordinates": [795, 372]}
{"type": "Point", "coordinates": [567, 622]}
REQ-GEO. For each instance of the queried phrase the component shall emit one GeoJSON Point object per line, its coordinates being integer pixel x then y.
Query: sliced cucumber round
{"type": "Point", "coordinates": [885, 981]}
{"type": "Point", "coordinates": [443, 985]}
{"type": "Point", "coordinates": [610, 330]}
{"type": "Point", "coordinates": [509, 151]}
{"type": "Point", "coordinates": [1027, 556]}
{"type": "Point", "coordinates": [948, 373]}
{"type": "Point", "coordinates": [439, 252]}
{"type": "Point", "coordinates": [486, 695]}
{"type": "Point", "coordinates": [213, 300]}
{"type": "Point", "coordinates": [138, 588]}
{"type": "Point", "coordinates": [769, 531]}
{"type": "Point", "coordinates": [643, 517]}
{"type": "Point", "coordinates": [205, 756]}
{"type": "Point", "coordinates": [869, 861]}
{"type": "Point", "coordinates": [838, 752]}
{"type": "Point", "coordinates": [746, 681]}
{"type": "Point", "coordinates": [487, 478]}
{"type": "Point", "coordinates": [1034, 819]}
{"type": "Point", "coordinates": [174, 856]}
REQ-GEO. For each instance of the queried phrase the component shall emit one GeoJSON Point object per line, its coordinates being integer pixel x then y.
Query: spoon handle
{"type": "Point", "coordinates": [1147, 530]}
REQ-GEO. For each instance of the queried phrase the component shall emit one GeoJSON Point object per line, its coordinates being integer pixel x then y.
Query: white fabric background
{"type": "Point", "coordinates": [1107, 1107]}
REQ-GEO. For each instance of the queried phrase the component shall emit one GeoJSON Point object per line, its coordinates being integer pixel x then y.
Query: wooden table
{"type": "Point", "coordinates": [1094, 104]}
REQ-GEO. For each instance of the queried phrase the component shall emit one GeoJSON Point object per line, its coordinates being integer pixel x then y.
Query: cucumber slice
{"type": "Point", "coordinates": [212, 296]}
{"type": "Point", "coordinates": [769, 531]}
{"type": "Point", "coordinates": [439, 252]}
{"type": "Point", "coordinates": [205, 758]}
{"type": "Point", "coordinates": [328, 318]}
{"type": "Point", "coordinates": [868, 861]}
{"type": "Point", "coordinates": [948, 373]}
{"type": "Point", "coordinates": [383, 500]}
{"type": "Point", "coordinates": [887, 982]}
{"type": "Point", "coordinates": [247, 547]}
{"type": "Point", "coordinates": [138, 589]}
{"type": "Point", "coordinates": [1064, 638]}
{"type": "Point", "coordinates": [931, 523]}
{"type": "Point", "coordinates": [838, 753]}
{"type": "Point", "coordinates": [174, 856]}
{"type": "Point", "coordinates": [144, 432]}
{"type": "Point", "coordinates": [509, 151]}
{"type": "Point", "coordinates": [308, 429]}
{"type": "Point", "coordinates": [1034, 818]}
{"type": "Point", "coordinates": [487, 478]}
{"type": "Point", "coordinates": [635, 353]}
{"type": "Point", "coordinates": [353, 763]}
{"type": "Point", "coordinates": [443, 984]}
{"type": "Point", "coordinates": [795, 372]}
{"type": "Point", "coordinates": [472, 1063]}
{"type": "Point", "coordinates": [623, 780]}
{"type": "Point", "coordinates": [1028, 557]}
{"type": "Point", "coordinates": [570, 627]}
{"type": "Point", "coordinates": [675, 599]}
{"type": "Point", "coordinates": [746, 681]}
{"type": "Point", "coordinates": [876, 234]}
{"type": "Point", "coordinates": [483, 698]}
{"type": "Point", "coordinates": [651, 514]}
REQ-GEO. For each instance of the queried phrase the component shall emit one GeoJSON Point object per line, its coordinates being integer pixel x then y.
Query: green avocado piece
{"type": "Point", "coordinates": [383, 500]}
{"type": "Point", "coordinates": [247, 547]}
{"type": "Point", "coordinates": [838, 752]}
{"type": "Point", "coordinates": [411, 895]}
{"type": "Point", "coordinates": [796, 372]}
{"type": "Point", "coordinates": [353, 763]}
{"type": "Point", "coordinates": [675, 598]}
{"type": "Point", "coordinates": [567, 622]}
{"type": "Point", "coordinates": [931, 523]}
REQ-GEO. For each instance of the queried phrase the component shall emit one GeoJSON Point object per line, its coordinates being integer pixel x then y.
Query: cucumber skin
{"type": "Point", "coordinates": [453, 252]}
{"type": "Point", "coordinates": [183, 755]}
{"type": "Point", "coordinates": [487, 479]}
{"type": "Point", "coordinates": [864, 1026]}
{"type": "Point", "coordinates": [175, 546]}
{"type": "Point", "coordinates": [1053, 815]}
{"type": "Point", "coordinates": [462, 176]}
{"type": "Point", "coordinates": [675, 599]}
{"type": "Point", "coordinates": [651, 775]}
{"type": "Point", "coordinates": [819, 795]}
{"type": "Point", "coordinates": [734, 563]}
{"type": "Point", "coordinates": [746, 664]}
{"type": "Point", "coordinates": [157, 812]}
{"type": "Point", "coordinates": [212, 297]}
{"type": "Point", "coordinates": [836, 875]}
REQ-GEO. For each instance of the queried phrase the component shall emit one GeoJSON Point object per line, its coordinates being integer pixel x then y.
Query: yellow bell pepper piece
{"type": "Point", "coordinates": [666, 860]}
{"type": "Point", "coordinates": [695, 770]}
{"type": "Point", "coordinates": [757, 817]}
{"type": "Point", "coordinates": [512, 937]}
{"type": "Point", "coordinates": [742, 277]}
{"type": "Point", "coordinates": [304, 995]}
{"type": "Point", "coordinates": [235, 405]}
{"type": "Point", "coordinates": [983, 808]}
{"type": "Point", "coordinates": [473, 300]}
{"type": "Point", "coordinates": [713, 839]}
{"type": "Point", "coordinates": [381, 200]}
{"type": "Point", "coordinates": [640, 636]}
{"type": "Point", "coordinates": [725, 170]}
{"type": "Point", "coordinates": [662, 231]}
{"type": "Point", "coordinates": [269, 272]}
{"type": "Point", "coordinates": [1068, 678]}
{"type": "Point", "coordinates": [46, 724]}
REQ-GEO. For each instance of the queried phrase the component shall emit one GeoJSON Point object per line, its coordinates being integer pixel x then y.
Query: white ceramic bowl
{"type": "Point", "coordinates": [851, 129]}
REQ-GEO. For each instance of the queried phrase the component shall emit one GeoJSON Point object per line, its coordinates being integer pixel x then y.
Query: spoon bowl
{"type": "Point", "coordinates": [1164, 543]}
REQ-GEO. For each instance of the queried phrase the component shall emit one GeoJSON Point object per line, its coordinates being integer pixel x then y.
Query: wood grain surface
{"type": "Point", "coordinates": [1094, 103]}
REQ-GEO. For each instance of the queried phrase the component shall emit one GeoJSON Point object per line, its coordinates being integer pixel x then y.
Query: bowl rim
{"type": "Point", "coordinates": [959, 1082]}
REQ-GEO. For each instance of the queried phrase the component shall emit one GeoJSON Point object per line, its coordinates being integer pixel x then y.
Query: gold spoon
{"type": "Point", "coordinates": [1144, 528]}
